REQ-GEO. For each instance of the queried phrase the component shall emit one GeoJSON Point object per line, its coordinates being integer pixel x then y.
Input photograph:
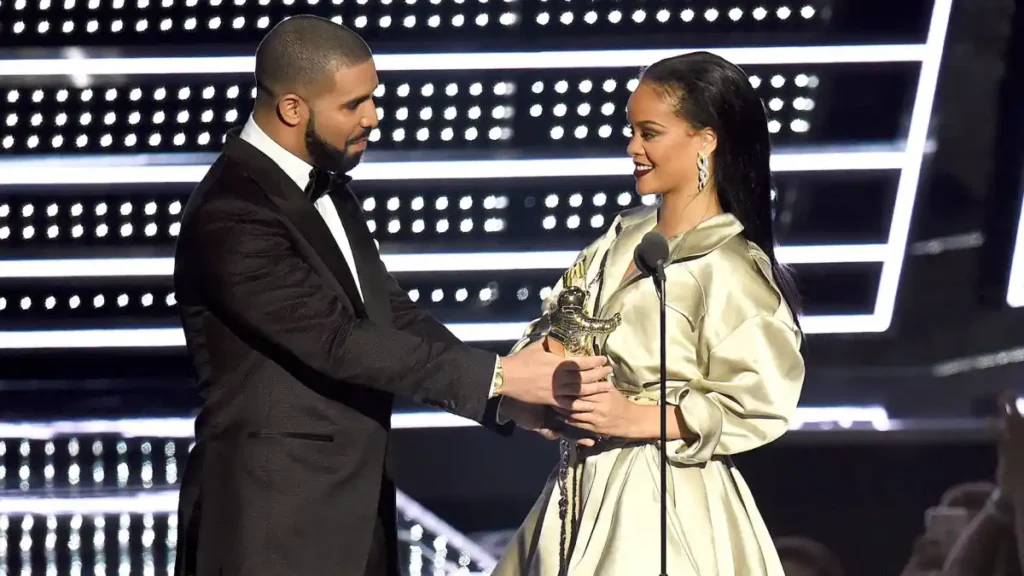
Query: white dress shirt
{"type": "Point", "coordinates": [298, 170]}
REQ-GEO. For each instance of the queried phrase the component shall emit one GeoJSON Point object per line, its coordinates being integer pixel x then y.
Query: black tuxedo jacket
{"type": "Point", "coordinates": [298, 375]}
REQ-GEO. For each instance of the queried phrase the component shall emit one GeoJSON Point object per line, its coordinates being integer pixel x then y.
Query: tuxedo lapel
{"type": "Point", "coordinates": [364, 250]}
{"type": "Point", "coordinates": [307, 225]}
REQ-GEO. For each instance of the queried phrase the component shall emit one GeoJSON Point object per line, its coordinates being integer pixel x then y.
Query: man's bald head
{"type": "Point", "coordinates": [315, 84]}
{"type": "Point", "coordinates": [300, 56]}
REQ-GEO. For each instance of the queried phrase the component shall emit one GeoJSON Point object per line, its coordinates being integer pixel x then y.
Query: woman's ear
{"type": "Point", "coordinates": [708, 141]}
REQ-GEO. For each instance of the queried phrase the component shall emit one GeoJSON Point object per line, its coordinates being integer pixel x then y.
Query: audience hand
{"type": "Point", "coordinates": [1010, 473]}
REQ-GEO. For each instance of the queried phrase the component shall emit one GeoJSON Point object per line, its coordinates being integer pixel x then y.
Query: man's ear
{"type": "Point", "coordinates": [291, 110]}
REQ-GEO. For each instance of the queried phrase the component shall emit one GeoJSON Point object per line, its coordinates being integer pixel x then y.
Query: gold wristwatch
{"type": "Point", "coordinates": [499, 378]}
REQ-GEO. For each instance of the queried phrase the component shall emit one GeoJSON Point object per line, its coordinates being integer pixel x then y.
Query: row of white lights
{"type": "Point", "coordinates": [485, 294]}
{"type": "Point", "coordinates": [907, 161]}
{"type": "Point", "coordinates": [506, 19]}
{"type": "Point", "coordinates": [427, 90]}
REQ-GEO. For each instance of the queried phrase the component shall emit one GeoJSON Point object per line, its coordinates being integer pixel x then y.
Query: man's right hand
{"type": "Point", "coordinates": [536, 376]}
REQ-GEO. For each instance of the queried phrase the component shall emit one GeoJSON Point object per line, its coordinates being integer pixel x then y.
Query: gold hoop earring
{"type": "Point", "coordinates": [703, 172]}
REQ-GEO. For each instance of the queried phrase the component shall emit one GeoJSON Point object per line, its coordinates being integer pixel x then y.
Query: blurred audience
{"type": "Point", "coordinates": [993, 541]}
{"type": "Point", "coordinates": [976, 528]}
{"type": "Point", "coordinates": [805, 557]}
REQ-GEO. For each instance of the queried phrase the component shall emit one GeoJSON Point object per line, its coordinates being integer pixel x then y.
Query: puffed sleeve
{"type": "Point", "coordinates": [755, 375]}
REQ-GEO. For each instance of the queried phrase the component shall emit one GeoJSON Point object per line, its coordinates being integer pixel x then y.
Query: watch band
{"type": "Point", "coordinates": [499, 378]}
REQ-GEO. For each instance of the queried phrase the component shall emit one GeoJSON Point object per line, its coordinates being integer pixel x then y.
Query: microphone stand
{"type": "Point", "coordinates": [659, 284]}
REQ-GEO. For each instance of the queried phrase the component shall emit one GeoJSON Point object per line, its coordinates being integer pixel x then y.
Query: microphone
{"type": "Point", "coordinates": [651, 254]}
{"type": "Point", "coordinates": [650, 257]}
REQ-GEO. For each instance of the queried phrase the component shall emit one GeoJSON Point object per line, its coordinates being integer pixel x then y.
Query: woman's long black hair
{"type": "Point", "coordinates": [711, 92]}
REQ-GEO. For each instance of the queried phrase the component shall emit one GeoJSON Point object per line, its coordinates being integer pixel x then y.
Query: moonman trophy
{"type": "Point", "coordinates": [572, 334]}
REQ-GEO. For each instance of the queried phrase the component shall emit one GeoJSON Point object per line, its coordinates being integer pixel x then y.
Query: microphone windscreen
{"type": "Point", "coordinates": [652, 250]}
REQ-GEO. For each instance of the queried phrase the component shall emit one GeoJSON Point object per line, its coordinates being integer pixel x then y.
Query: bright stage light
{"type": "Point", "coordinates": [150, 170]}
{"type": "Point", "coordinates": [85, 67]}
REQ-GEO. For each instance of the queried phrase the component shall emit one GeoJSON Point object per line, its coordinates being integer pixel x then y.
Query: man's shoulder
{"type": "Point", "coordinates": [227, 197]}
{"type": "Point", "coordinates": [227, 188]}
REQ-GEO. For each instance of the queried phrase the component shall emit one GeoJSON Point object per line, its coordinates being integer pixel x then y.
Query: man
{"type": "Point", "coordinates": [301, 338]}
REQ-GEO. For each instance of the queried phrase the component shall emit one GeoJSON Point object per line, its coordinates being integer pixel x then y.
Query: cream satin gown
{"type": "Point", "coordinates": [735, 370]}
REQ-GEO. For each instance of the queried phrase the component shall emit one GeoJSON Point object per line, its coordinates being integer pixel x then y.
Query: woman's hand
{"type": "Point", "coordinates": [607, 414]}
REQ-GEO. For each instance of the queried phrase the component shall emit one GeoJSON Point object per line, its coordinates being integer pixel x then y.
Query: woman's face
{"type": "Point", "coordinates": [663, 146]}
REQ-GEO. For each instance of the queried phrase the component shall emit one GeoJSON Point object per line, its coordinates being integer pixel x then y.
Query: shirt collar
{"type": "Point", "coordinates": [296, 168]}
{"type": "Point", "coordinates": [704, 238]}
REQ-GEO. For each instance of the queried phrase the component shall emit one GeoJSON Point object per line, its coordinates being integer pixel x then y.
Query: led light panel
{"type": "Point", "coordinates": [439, 111]}
{"type": "Point", "coordinates": [908, 162]}
{"type": "Point", "coordinates": [234, 22]}
{"type": "Point", "coordinates": [847, 207]}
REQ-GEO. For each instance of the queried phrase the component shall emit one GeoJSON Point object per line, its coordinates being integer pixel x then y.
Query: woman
{"type": "Point", "coordinates": [700, 142]}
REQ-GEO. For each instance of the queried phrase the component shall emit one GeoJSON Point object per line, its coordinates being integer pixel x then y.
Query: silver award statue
{"type": "Point", "coordinates": [572, 331]}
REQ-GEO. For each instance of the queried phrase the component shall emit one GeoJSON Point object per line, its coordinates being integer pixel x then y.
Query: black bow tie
{"type": "Point", "coordinates": [320, 183]}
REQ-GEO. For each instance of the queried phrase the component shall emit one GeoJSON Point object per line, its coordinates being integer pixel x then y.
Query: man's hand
{"type": "Point", "coordinates": [528, 417]}
{"type": "Point", "coordinates": [531, 417]}
{"type": "Point", "coordinates": [536, 376]}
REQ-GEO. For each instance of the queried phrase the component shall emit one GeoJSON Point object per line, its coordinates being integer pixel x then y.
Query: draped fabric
{"type": "Point", "coordinates": [734, 370]}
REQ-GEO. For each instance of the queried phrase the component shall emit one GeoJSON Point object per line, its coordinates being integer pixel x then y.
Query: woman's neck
{"type": "Point", "coordinates": [681, 213]}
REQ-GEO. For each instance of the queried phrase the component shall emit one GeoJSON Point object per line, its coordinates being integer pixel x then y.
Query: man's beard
{"type": "Point", "coordinates": [326, 156]}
